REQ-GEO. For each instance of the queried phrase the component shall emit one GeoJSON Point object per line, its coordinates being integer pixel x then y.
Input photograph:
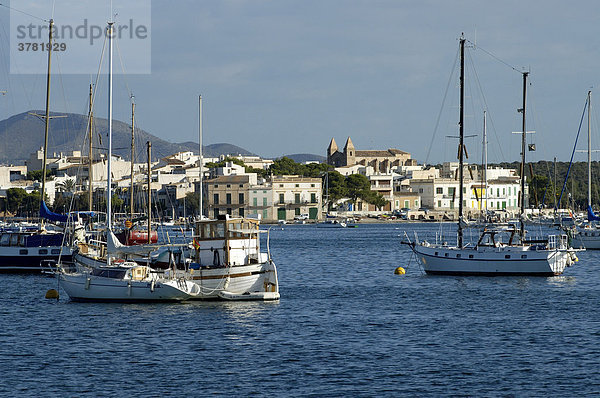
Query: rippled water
{"type": "Point", "coordinates": [345, 326]}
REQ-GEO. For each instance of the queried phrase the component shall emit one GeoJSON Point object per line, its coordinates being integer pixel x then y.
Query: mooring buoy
{"type": "Point", "coordinates": [52, 294]}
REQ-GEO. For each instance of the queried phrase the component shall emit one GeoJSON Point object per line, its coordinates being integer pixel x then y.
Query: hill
{"type": "Point", "coordinates": [23, 134]}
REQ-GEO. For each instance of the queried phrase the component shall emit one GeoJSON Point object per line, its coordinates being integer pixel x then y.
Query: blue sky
{"type": "Point", "coordinates": [284, 76]}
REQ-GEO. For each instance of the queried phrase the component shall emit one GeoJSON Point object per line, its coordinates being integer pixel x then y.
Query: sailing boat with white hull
{"type": "Point", "coordinates": [119, 280]}
{"type": "Point", "coordinates": [588, 235]}
{"type": "Point", "coordinates": [489, 256]}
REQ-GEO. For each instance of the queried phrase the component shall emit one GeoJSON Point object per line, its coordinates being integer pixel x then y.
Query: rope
{"type": "Point", "coordinates": [493, 56]}
{"type": "Point", "coordinates": [572, 154]}
{"type": "Point", "coordinates": [437, 123]}
{"type": "Point", "coordinates": [26, 13]}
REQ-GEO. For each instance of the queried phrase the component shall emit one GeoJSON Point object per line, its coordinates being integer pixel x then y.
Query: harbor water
{"type": "Point", "coordinates": [345, 326]}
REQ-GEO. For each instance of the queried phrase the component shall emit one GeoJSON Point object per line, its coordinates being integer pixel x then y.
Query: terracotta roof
{"type": "Point", "coordinates": [381, 153]}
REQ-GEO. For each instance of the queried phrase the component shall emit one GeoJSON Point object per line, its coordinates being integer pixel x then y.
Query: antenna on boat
{"type": "Point", "coordinates": [109, 31]}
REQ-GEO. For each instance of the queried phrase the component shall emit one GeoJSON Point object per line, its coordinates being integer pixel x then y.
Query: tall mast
{"type": "Point", "coordinates": [589, 149]}
{"type": "Point", "coordinates": [149, 144]}
{"type": "Point", "coordinates": [523, 142]}
{"type": "Point", "coordinates": [485, 154]}
{"type": "Point", "coordinates": [461, 141]}
{"type": "Point", "coordinates": [47, 118]}
{"type": "Point", "coordinates": [200, 141]}
{"type": "Point", "coordinates": [108, 176]}
{"type": "Point", "coordinates": [90, 155]}
{"type": "Point", "coordinates": [132, 157]}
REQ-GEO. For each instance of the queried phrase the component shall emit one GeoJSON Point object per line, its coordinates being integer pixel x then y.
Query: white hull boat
{"type": "Point", "coordinates": [125, 284]}
{"type": "Point", "coordinates": [535, 260]}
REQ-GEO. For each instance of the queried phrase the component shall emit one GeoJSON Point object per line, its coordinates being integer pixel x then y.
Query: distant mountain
{"type": "Point", "coordinates": [306, 157]}
{"type": "Point", "coordinates": [23, 134]}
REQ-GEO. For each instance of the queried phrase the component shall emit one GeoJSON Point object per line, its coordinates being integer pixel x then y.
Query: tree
{"type": "Point", "coordinates": [376, 199]}
{"type": "Point", "coordinates": [358, 186]}
{"type": "Point", "coordinates": [212, 165]}
{"type": "Point", "coordinates": [36, 175]}
{"type": "Point", "coordinates": [335, 187]}
{"type": "Point", "coordinates": [15, 198]}
{"type": "Point", "coordinates": [67, 185]}
{"type": "Point", "coordinates": [192, 202]}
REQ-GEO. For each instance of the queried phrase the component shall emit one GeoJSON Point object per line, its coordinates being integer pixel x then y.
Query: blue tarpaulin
{"type": "Point", "coordinates": [591, 215]}
{"type": "Point", "coordinates": [47, 214]}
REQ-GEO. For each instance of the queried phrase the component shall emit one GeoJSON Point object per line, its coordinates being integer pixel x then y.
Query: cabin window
{"type": "Point", "coordinates": [206, 231]}
{"type": "Point", "coordinates": [524, 256]}
{"type": "Point", "coordinates": [55, 251]}
{"type": "Point", "coordinates": [507, 256]}
{"type": "Point", "coordinates": [446, 254]}
{"type": "Point", "coordinates": [23, 251]}
{"type": "Point", "coordinates": [14, 240]}
{"type": "Point", "coordinates": [4, 240]}
{"type": "Point", "coordinates": [470, 256]}
{"type": "Point", "coordinates": [458, 256]}
{"type": "Point", "coordinates": [43, 251]}
{"type": "Point", "coordinates": [436, 253]}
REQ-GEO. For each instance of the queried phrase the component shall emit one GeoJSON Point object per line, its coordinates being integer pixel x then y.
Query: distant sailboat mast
{"type": "Point", "coordinates": [461, 141]}
{"type": "Point", "coordinates": [47, 118]}
{"type": "Point", "coordinates": [131, 182]}
{"type": "Point", "coordinates": [200, 149]}
{"type": "Point", "coordinates": [108, 176]}
{"type": "Point", "coordinates": [589, 152]}
{"type": "Point", "coordinates": [523, 144]}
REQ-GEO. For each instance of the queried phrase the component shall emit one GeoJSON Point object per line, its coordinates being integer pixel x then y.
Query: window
{"type": "Point", "coordinates": [297, 211]}
{"type": "Point", "coordinates": [216, 185]}
{"type": "Point", "coordinates": [297, 185]}
{"type": "Point", "coordinates": [216, 198]}
{"type": "Point", "coordinates": [254, 202]}
{"type": "Point", "coordinates": [241, 185]}
{"type": "Point", "coordinates": [280, 185]}
{"type": "Point", "coordinates": [281, 198]}
{"type": "Point", "coordinates": [470, 256]}
{"type": "Point", "coordinates": [241, 198]}
{"type": "Point", "coordinates": [55, 251]}
{"type": "Point", "coordinates": [43, 251]}
{"type": "Point", "coordinates": [229, 210]}
{"type": "Point", "coordinates": [439, 203]}
{"type": "Point", "coordinates": [407, 204]}
{"type": "Point", "coordinates": [23, 251]}
{"type": "Point", "coordinates": [439, 190]}
{"type": "Point", "coordinates": [420, 190]}
{"type": "Point", "coordinates": [228, 185]}
{"type": "Point", "coordinates": [264, 191]}
{"type": "Point", "coordinates": [451, 191]}
{"type": "Point", "coordinates": [216, 213]}
{"type": "Point", "coordinates": [507, 256]}
{"type": "Point", "coordinates": [228, 199]}
{"type": "Point", "coordinates": [523, 255]}
{"type": "Point", "coordinates": [313, 198]}
{"type": "Point", "coordinates": [264, 216]}
{"type": "Point", "coordinates": [296, 198]}
{"type": "Point", "coordinates": [264, 202]}
{"type": "Point", "coordinates": [241, 210]}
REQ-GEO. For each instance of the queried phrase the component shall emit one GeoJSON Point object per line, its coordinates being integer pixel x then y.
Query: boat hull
{"type": "Point", "coordinates": [14, 259]}
{"type": "Point", "coordinates": [491, 261]}
{"type": "Point", "coordinates": [236, 281]}
{"type": "Point", "coordinates": [83, 287]}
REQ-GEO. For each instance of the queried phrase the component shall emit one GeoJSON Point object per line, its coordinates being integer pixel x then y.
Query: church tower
{"type": "Point", "coordinates": [350, 153]}
{"type": "Point", "coordinates": [331, 149]}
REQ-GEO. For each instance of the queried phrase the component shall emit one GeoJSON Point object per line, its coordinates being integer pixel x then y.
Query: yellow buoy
{"type": "Point", "coordinates": [52, 294]}
{"type": "Point", "coordinates": [399, 271]}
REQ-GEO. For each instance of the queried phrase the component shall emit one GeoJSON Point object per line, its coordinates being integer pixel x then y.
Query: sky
{"type": "Point", "coordinates": [285, 76]}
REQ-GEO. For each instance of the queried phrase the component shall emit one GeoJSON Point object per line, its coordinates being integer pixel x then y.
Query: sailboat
{"type": "Point", "coordinates": [490, 256]}
{"type": "Point", "coordinates": [35, 249]}
{"type": "Point", "coordinates": [118, 279]}
{"type": "Point", "coordinates": [588, 234]}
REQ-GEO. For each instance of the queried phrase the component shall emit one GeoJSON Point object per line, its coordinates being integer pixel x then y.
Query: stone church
{"type": "Point", "coordinates": [381, 160]}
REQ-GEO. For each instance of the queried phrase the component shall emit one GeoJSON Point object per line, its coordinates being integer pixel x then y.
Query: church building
{"type": "Point", "coordinates": [381, 160]}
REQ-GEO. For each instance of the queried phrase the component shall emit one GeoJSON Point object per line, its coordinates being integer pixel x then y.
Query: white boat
{"type": "Point", "coordinates": [125, 282]}
{"type": "Point", "coordinates": [228, 263]}
{"type": "Point", "coordinates": [489, 256]}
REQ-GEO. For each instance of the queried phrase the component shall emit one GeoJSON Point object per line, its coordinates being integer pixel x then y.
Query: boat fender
{"type": "Point", "coordinates": [52, 294]}
{"type": "Point", "coordinates": [399, 271]}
